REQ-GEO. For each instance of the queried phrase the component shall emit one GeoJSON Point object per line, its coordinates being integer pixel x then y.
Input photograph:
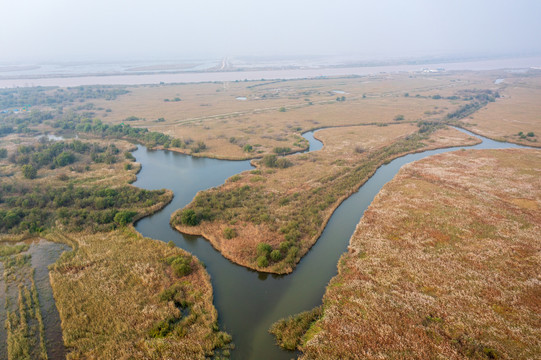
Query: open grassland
{"type": "Point", "coordinates": [122, 296]}
{"type": "Point", "coordinates": [275, 113]}
{"type": "Point", "coordinates": [268, 218]}
{"type": "Point", "coordinates": [516, 116]}
{"type": "Point", "coordinates": [444, 264]}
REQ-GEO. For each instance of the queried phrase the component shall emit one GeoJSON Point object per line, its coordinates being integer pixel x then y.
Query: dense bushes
{"type": "Point", "coordinates": [289, 332]}
{"type": "Point", "coordinates": [180, 264]}
{"type": "Point", "coordinates": [77, 208]}
{"type": "Point", "coordinates": [273, 161]}
{"type": "Point", "coordinates": [189, 217]}
{"type": "Point", "coordinates": [60, 154]}
{"type": "Point", "coordinates": [49, 96]}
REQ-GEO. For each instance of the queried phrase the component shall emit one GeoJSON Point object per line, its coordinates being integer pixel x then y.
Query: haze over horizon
{"type": "Point", "coordinates": [62, 30]}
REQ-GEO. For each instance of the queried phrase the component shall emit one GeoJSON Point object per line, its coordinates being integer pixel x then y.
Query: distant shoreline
{"type": "Point", "coordinates": [122, 78]}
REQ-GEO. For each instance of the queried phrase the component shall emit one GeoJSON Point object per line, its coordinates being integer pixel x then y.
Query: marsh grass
{"type": "Point", "coordinates": [120, 295]}
{"type": "Point", "coordinates": [443, 262]}
{"type": "Point", "coordinates": [290, 333]}
{"type": "Point", "coordinates": [24, 322]}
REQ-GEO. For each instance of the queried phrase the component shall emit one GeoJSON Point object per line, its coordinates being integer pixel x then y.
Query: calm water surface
{"type": "Point", "coordinates": [248, 302]}
{"type": "Point", "coordinates": [194, 77]}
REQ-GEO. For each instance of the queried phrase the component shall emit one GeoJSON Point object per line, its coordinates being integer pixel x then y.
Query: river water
{"type": "Point", "coordinates": [194, 77]}
{"type": "Point", "coordinates": [248, 302]}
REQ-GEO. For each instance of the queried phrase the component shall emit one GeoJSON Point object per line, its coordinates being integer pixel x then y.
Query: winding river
{"type": "Point", "coordinates": [248, 302]}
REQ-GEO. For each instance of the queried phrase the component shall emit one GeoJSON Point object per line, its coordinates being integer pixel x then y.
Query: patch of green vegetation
{"type": "Point", "coordinates": [180, 264]}
{"type": "Point", "coordinates": [290, 332]}
{"type": "Point", "coordinates": [273, 161]}
{"type": "Point", "coordinates": [281, 150]}
{"type": "Point", "coordinates": [7, 250]}
{"type": "Point", "coordinates": [33, 210]}
{"type": "Point", "coordinates": [230, 233]}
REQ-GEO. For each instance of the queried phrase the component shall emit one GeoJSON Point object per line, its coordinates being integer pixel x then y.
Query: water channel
{"type": "Point", "coordinates": [248, 302]}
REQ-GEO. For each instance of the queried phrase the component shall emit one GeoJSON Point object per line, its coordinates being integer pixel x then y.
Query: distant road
{"type": "Point", "coordinates": [194, 77]}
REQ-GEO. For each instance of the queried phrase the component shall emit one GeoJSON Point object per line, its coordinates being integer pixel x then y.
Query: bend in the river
{"type": "Point", "coordinates": [248, 302]}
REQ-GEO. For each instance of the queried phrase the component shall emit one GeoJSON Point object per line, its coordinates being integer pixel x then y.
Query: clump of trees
{"type": "Point", "coordinates": [530, 134]}
{"type": "Point", "coordinates": [281, 150]}
{"type": "Point", "coordinates": [25, 209]}
{"type": "Point", "coordinates": [50, 96]}
{"type": "Point", "coordinates": [181, 264]}
{"type": "Point", "coordinates": [273, 161]}
{"type": "Point", "coordinates": [59, 154]}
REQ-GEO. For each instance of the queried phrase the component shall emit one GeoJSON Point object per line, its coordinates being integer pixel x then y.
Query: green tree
{"type": "Point", "coordinates": [123, 218]}
{"type": "Point", "coordinates": [189, 217]}
{"type": "Point", "coordinates": [29, 171]}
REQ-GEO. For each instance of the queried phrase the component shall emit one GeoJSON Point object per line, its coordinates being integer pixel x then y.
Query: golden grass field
{"type": "Point", "coordinates": [210, 112]}
{"type": "Point", "coordinates": [519, 110]}
{"type": "Point", "coordinates": [108, 290]}
{"type": "Point", "coordinates": [444, 264]}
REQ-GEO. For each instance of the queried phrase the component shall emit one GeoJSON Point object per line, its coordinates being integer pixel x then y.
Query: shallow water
{"type": "Point", "coordinates": [248, 302]}
{"type": "Point", "coordinates": [45, 253]}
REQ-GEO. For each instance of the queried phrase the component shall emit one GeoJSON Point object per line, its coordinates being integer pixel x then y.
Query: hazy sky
{"type": "Point", "coordinates": [42, 30]}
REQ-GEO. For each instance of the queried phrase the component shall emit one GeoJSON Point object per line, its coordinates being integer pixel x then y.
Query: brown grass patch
{"type": "Point", "coordinates": [108, 290]}
{"type": "Point", "coordinates": [443, 262]}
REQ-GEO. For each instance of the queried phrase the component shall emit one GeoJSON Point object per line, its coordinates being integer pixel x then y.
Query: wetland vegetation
{"type": "Point", "coordinates": [75, 190]}
{"type": "Point", "coordinates": [414, 231]}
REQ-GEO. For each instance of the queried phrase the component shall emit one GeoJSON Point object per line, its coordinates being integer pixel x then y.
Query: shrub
{"type": "Point", "coordinates": [283, 163]}
{"type": "Point", "coordinates": [269, 160]}
{"type": "Point", "coordinates": [282, 109]}
{"type": "Point", "coordinates": [284, 245]}
{"type": "Point", "coordinates": [399, 117]}
{"type": "Point", "coordinates": [290, 332]}
{"type": "Point", "coordinates": [274, 162]}
{"type": "Point", "coordinates": [200, 146]}
{"type": "Point", "coordinates": [276, 255]}
{"type": "Point", "coordinates": [29, 172]}
{"type": "Point", "coordinates": [531, 134]}
{"type": "Point", "coordinates": [281, 150]}
{"type": "Point", "coordinates": [263, 249]}
{"type": "Point", "coordinates": [262, 261]}
{"type": "Point", "coordinates": [161, 329]}
{"type": "Point", "coordinates": [248, 148]}
{"type": "Point", "coordinates": [127, 166]}
{"type": "Point", "coordinates": [189, 217]}
{"type": "Point", "coordinates": [124, 217]}
{"type": "Point", "coordinates": [180, 264]}
{"type": "Point", "coordinates": [3, 153]}
{"type": "Point", "coordinates": [229, 233]}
